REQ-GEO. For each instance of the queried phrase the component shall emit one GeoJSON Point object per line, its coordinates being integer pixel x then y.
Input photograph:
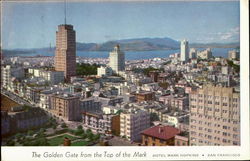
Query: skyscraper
{"type": "Point", "coordinates": [65, 57]}
{"type": "Point", "coordinates": [184, 51]}
{"type": "Point", "coordinates": [214, 116]}
{"type": "Point", "coordinates": [117, 60]}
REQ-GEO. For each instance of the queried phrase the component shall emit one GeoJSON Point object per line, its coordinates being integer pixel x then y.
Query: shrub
{"type": "Point", "coordinates": [79, 132]}
{"type": "Point", "coordinates": [61, 131]}
{"type": "Point", "coordinates": [63, 125]}
{"type": "Point", "coordinates": [54, 126]}
{"type": "Point", "coordinates": [79, 127]}
{"type": "Point", "coordinates": [88, 131]}
{"type": "Point", "coordinates": [10, 143]}
{"type": "Point", "coordinates": [30, 132]}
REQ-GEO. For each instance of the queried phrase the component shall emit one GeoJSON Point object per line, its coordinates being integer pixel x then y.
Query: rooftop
{"type": "Point", "coordinates": [161, 132]}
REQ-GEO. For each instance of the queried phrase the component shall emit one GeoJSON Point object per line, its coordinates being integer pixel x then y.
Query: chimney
{"type": "Point", "coordinates": [161, 129]}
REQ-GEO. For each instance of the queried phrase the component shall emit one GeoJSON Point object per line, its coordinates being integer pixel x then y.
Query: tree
{"type": "Point", "coordinates": [83, 136]}
{"type": "Point", "coordinates": [90, 136]}
{"type": "Point", "coordinates": [88, 131]}
{"type": "Point", "coordinates": [10, 143]}
{"type": "Point", "coordinates": [79, 132]}
{"type": "Point", "coordinates": [18, 136]}
{"type": "Point", "coordinates": [63, 125]}
{"type": "Point", "coordinates": [42, 130]}
{"type": "Point", "coordinates": [79, 127]}
{"type": "Point", "coordinates": [54, 126]}
{"type": "Point", "coordinates": [86, 69]}
{"type": "Point", "coordinates": [30, 132]}
{"type": "Point", "coordinates": [149, 69]}
{"type": "Point", "coordinates": [154, 117]}
{"type": "Point", "coordinates": [41, 142]}
{"type": "Point", "coordinates": [97, 136]}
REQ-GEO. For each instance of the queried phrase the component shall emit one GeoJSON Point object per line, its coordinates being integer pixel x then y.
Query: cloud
{"type": "Point", "coordinates": [230, 35]}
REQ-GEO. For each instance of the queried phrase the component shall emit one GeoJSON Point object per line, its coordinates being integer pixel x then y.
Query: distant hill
{"type": "Point", "coordinates": [141, 44]}
{"type": "Point", "coordinates": [137, 44]}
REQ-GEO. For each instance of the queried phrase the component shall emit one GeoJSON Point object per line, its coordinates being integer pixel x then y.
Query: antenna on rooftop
{"type": "Point", "coordinates": [65, 12]}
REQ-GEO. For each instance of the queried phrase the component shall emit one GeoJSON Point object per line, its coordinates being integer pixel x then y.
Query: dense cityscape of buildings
{"type": "Point", "coordinates": [191, 98]}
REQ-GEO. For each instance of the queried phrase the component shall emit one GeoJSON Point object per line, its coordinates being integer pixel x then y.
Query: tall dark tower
{"type": "Point", "coordinates": [65, 56]}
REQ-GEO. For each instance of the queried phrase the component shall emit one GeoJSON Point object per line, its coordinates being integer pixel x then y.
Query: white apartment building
{"type": "Point", "coordinates": [184, 51]}
{"type": "Point", "coordinates": [233, 54]}
{"type": "Point", "coordinates": [132, 122]}
{"type": "Point", "coordinates": [53, 77]}
{"type": "Point", "coordinates": [205, 54]}
{"type": "Point", "coordinates": [117, 60]}
{"type": "Point", "coordinates": [193, 53]}
{"type": "Point", "coordinates": [214, 116]}
{"type": "Point", "coordinates": [8, 72]}
{"type": "Point", "coordinates": [104, 71]}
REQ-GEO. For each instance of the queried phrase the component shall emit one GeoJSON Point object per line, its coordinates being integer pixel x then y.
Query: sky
{"type": "Point", "coordinates": [34, 24]}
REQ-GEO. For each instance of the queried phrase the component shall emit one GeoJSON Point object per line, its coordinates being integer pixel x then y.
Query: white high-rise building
{"type": "Point", "coordinates": [193, 53]}
{"type": "Point", "coordinates": [117, 60]}
{"type": "Point", "coordinates": [214, 116]}
{"type": "Point", "coordinates": [184, 50]}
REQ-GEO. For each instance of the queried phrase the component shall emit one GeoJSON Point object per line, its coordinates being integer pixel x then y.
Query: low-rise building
{"type": "Point", "coordinates": [233, 54]}
{"type": "Point", "coordinates": [104, 71]}
{"type": "Point", "coordinates": [66, 106]}
{"type": "Point", "coordinates": [205, 54]}
{"type": "Point", "coordinates": [144, 96]}
{"type": "Point", "coordinates": [89, 104]}
{"type": "Point", "coordinates": [20, 119]}
{"type": "Point", "coordinates": [102, 123]}
{"type": "Point", "coordinates": [175, 101]}
{"type": "Point", "coordinates": [159, 136]}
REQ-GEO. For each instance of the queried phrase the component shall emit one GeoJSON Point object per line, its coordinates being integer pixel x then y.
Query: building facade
{"type": "Point", "coordinates": [104, 71]}
{"type": "Point", "coordinates": [117, 60]}
{"type": "Point", "coordinates": [214, 116]}
{"type": "Point", "coordinates": [66, 106]}
{"type": "Point", "coordinates": [145, 96]}
{"type": "Point", "coordinates": [205, 54]}
{"type": "Point", "coordinates": [65, 57]}
{"type": "Point", "coordinates": [176, 102]}
{"type": "Point", "coordinates": [233, 54]}
{"type": "Point", "coordinates": [132, 122]}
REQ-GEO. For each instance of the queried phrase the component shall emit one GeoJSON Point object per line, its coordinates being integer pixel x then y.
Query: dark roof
{"type": "Point", "coordinates": [161, 132]}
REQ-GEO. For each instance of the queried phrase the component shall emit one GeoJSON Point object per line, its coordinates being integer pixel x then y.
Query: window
{"type": "Point", "coordinates": [217, 110]}
{"type": "Point", "coordinates": [217, 103]}
{"type": "Point", "coordinates": [224, 104]}
{"type": "Point", "coordinates": [235, 129]}
{"type": "Point", "coordinates": [235, 99]}
{"type": "Point", "coordinates": [209, 102]}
